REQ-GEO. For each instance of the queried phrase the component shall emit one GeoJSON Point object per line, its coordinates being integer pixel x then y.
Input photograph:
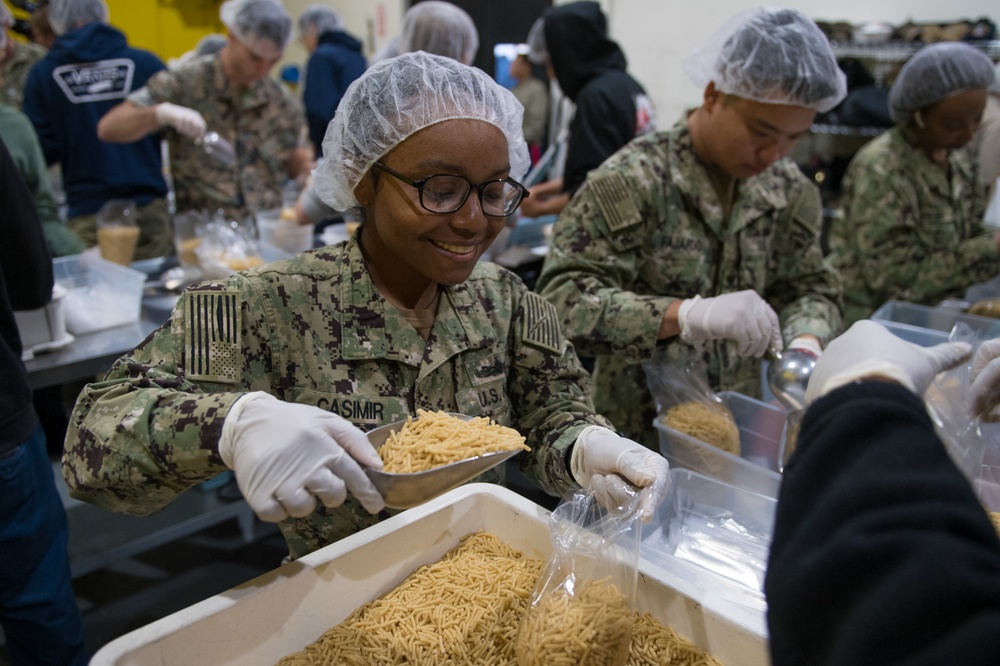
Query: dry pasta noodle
{"type": "Point", "coordinates": [995, 519]}
{"type": "Point", "coordinates": [466, 609]}
{"type": "Point", "coordinates": [712, 424]}
{"type": "Point", "coordinates": [591, 628]}
{"type": "Point", "coordinates": [438, 438]}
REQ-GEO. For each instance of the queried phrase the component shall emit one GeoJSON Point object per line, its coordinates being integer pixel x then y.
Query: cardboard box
{"type": "Point", "coordinates": [283, 611]}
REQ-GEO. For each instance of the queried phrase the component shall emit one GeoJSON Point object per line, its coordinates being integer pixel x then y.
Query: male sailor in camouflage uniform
{"type": "Point", "coordinates": [911, 224]}
{"type": "Point", "coordinates": [276, 371]}
{"type": "Point", "coordinates": [689, 237]}
{"type": "Point", "coordinates": [230, 93]}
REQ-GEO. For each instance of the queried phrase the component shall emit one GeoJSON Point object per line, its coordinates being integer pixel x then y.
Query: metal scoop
{"type": "Point", "coordinates": [788, 376]}
{"type": "Point", "coordinates": [405, 491]}
{"type": "Point", "coordinates": [216, 146]}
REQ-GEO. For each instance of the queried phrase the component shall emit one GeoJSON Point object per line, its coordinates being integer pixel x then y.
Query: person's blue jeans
{"type": "Point", "coordinates": [38, 609]}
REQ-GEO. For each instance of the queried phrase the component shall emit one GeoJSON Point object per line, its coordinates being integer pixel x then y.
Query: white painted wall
{"type": "Point", "coordinates": [656, 34]}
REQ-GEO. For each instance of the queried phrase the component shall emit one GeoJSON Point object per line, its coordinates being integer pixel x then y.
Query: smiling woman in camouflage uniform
{"type": "Point", "coordinates": [276, 371]}
{"type": "Point", "coordinates": [911, 224]}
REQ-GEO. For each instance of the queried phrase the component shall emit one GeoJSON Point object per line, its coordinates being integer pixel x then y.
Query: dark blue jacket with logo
{"type": "Point", "coordinates": [333, 66]}
{"type": "Point", "coordinates": [87, 72]}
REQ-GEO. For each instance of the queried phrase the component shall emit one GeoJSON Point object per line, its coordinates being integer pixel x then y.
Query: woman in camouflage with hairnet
{"type": "Point", "coordinates": [277, 372]}
{"type": "Point", "coordinates": [912, 205]}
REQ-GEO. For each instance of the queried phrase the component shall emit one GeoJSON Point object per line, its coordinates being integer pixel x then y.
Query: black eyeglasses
{"type": "Point", "coordinates": [446, 193]}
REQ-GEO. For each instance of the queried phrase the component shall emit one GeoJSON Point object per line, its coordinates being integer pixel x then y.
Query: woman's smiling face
{"type": "Point", "coordinates": [409, 247]}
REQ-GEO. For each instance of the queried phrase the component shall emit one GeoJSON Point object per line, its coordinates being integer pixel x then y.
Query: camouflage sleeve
{"type": "Point", "coordinates": [150, 429]}
{"type": "Point", "coordinates": [593, 266]}
{"type": "Point", "coordinates": [160, 87]}
{"type": "Point", "coordinates": [550, 391]}
{"type": "Point", "coordinates": [804, 287]}
{"type": "Point", "coordinates": [897, 247]}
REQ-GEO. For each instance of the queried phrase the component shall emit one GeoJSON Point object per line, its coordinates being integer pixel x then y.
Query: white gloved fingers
{"type": "Point", "coordinates": [986, 391]}
{"type": "Point", "coordinates": [353, 441]}
{"type": "Point", "coordinates": [946, 356]}
{"type": "Point", "coordinates": [987, 352]}
{"type": "Point", "coordinates": [774, 340]}
{"type": "Point", "coordinates": [760, 329]}
{"type": "Point", "coordinates": [357, 482]}
{"type": "Point", "coordinates": [651, 498]}
{"type": "Point", "coordinates": [186, 121]}
{"type": "Point", "coordinates": [612, 491]}
{"type": "Point", "coordinates": [267, 509]}
{"type": "Point", "coordinates": [295, 500]}
{"type": "Point", "coordinates": [327, 487]}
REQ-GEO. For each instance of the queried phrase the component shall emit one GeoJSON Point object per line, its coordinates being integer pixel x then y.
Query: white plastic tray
{"type": "Point", "coordinates": [282, 611]}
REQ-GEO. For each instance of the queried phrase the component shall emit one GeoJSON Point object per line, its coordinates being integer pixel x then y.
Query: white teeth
{"type": "Point", "coordinates": [457, 249]}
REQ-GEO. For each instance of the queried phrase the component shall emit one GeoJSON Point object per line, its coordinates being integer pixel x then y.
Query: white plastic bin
{"type": "Point", "coordinates": [756, 468]}
{"type": "Point", "coordinates": [45, 328]}
{"type": "Point", "coordinates": [99, 293]}
{"type": "Point", "coordinates": [283, 611]}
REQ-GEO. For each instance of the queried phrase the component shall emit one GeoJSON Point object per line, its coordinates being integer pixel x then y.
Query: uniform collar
{"type": "Point", "coordinates": [762, 193]}
{"type": "Point", "coordinates": [374, 329]}
{"type": "Point", "coordinates": [243, 98]}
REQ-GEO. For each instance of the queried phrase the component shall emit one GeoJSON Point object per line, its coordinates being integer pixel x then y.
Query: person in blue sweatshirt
{"type": "Point", "coordinates": [335, 61]}
{"type": "Point", "coordinates": [90, 69]}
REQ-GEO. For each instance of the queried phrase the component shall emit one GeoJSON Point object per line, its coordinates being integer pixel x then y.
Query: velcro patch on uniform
{"type": "Point", "coordinates": [541, 324]}
{"type": "Point", "coordinates": [612, 194]}
{"type": "Point", "coordinates": [212, 336]}
{"type": "Point", "coordinates": [808, 207]}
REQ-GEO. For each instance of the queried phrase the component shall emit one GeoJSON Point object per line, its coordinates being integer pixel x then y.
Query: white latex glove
{"type": "Point", "coordinates": [612, 467]}
{"type": "Point", "coordinates": [868, 349]}
{"type": "Point", "coordinates": [986, 380]}
{"type": "Point", "coordinates": [186, 121]}
{"type": "Point", "coordinates": [742, 316]}
{"type": "Point", "coordinates": [285, 456]}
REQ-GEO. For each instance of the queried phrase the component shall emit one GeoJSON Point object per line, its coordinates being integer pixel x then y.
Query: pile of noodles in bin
{"type": "Point", "coordinates": [686, 403]}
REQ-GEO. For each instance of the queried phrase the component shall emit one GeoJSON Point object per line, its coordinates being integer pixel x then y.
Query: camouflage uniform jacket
{"type": "Point", "coordinates": [646, 229]}
{"type": "Point", "coordinates": [315, 330]}
{"type": "Point", "coordinates": [909, 230]}
{"type": "Point", "coordinates": [15, 72]}
{"type": "Point", "coordinates": [264, 123]}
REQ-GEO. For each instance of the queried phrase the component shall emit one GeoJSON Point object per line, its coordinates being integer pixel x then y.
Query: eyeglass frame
{"type": "Point", "coordinates": [419, 186]}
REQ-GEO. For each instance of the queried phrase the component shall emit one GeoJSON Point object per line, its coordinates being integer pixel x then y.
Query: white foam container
{"type": "Point", "coordinates": [284, 610]}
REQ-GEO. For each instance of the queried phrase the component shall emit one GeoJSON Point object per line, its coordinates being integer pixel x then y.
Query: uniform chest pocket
{"type": "Point", "coordinates": [364, 411]}
{"type": "Point", "coordinates": [938, 228]}
{"type": "Point", "coordinates": [488, 399]}
{"type": "Point", "coordinates": [676, 263]}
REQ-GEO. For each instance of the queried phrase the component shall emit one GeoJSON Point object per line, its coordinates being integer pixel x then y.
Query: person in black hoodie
{"type": "Point", "coordinates": [335, 61]}
{"type": "Point", "coordinates": [881, 553]}
{"type": "Point", "coordinates": [89, 70]}
{"type": "Point", "coordinates": [38, 609]}
{"type": "Point", "coordinates": [612, 108]}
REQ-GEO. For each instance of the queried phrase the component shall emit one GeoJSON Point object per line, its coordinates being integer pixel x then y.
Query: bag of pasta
{"type": "Point", "coordinates": [583, 607]}
{"type": "Point", "coordinates": [686, 403]}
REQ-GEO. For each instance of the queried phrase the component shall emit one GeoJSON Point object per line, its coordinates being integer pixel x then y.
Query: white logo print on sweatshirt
{"type": "Point", "coordinates": [95, 81]}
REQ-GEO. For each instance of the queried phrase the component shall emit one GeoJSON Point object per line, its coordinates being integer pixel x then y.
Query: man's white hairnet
{"type": "Point", "coordinates": [65, 15]}
{"type": "Point", "coordinates": [440, 28]}
{"type": "Point", "coordinates": [253, 20]}
{"type": "Point", "coordinates": [538, 52]}
{"type": "Point", "coordinates": [317, 19]}
{"type": "Point", "coordinates": [935, 72]}
{"type": "Point", "coordinates": [398, 97]}
{"type": "Point", "coordinates": [770, 55]}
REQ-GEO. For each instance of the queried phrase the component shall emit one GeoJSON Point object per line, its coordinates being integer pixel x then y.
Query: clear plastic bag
{"type": "Point", "coordinates": [973, 445]}
{"type": "Point", "coordinates": [686, 402]}
{"type": "Point", "coordinates": [227, 247]}
{"type": "Point", "coordinates": [582, 610]}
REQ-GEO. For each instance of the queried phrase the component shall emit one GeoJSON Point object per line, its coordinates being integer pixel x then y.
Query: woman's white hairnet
{"type": "Point", "coordinates": [440, 28]}
{"type": "Point", "coordinates": [770, 55]}
{"type": "Point", "coordinates": [254, 20]}
{"type": "Point", "coordinates": [65, 15]}
{"type": "Point", "coordinates": [398, 97]}
{"type": "Point", "coordinates": [319, 19]}
{"type": "Point", "coordinates": [935, 72]}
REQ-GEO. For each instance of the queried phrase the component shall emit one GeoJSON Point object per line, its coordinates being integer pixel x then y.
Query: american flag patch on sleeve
{"type": "Point", "coordinates": [212, 336]}
{"type": "Point", "coordinates": [541, 324]}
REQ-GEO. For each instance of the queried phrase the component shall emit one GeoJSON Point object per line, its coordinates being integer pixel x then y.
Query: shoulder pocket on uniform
{"type": "Point", "coordinates": [212, 324]}
{"type": "Point", "coordinates": [541, 324]}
